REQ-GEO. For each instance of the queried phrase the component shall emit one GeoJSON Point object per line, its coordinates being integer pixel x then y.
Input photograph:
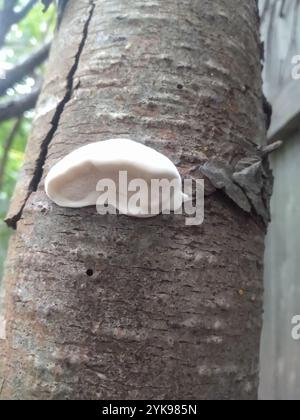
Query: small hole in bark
{"type": "Point", "coordinates": [89, 272]}
{"type": "Point", "coordinates": [179, 86]}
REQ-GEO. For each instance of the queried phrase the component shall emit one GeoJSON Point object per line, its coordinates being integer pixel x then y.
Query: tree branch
{"type": "Point", "coordinates": [6, 17]}
{"type": "Point", "coordinates": [16, 107]}
{"type": "Point", "coordinates": [46, 4]}
{"type": "Point", "coordinates": [9, 17]}
{"type": "Point", "coordinates": [6, 148]}
{"type": "Point", "coordinates": [23, 69]}
{"type": "Point", "coordinates": [26, 9]}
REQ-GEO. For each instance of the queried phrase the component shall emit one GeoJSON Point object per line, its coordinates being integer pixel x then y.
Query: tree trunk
{"type": "Point", "coordinates": [106, 307]}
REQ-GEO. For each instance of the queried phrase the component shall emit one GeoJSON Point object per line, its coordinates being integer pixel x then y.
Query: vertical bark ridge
{"type": "Point", "coordinates": [39, 164]}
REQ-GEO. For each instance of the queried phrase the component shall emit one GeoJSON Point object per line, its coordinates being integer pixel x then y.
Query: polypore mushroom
{"type": "Point", "coordinates": [74, 181]}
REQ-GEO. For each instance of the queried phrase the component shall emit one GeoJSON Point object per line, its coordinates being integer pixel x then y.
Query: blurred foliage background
{"type": "Point", "coordinates": [26, 30]}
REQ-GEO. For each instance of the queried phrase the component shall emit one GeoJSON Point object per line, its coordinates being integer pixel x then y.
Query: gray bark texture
{"type": "Point", "coordinates": [106, 307]}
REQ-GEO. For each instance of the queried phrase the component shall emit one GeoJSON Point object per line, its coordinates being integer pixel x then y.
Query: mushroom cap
{"type": "Point", "coordinates": [72, 182]}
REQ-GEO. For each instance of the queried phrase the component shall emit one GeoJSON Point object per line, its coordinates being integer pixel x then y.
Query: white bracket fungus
{"type": "Point", "coordinates": [77, 179]}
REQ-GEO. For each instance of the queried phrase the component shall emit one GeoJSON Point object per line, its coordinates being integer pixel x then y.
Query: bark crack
{"type": "Point", "coordinates": [1, 387]}
{"type": "Point", "coordinates": [40, 162]}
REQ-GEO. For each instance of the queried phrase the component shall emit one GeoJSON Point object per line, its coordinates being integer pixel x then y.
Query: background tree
{"type": "Point", "coordinates": [113, 307]}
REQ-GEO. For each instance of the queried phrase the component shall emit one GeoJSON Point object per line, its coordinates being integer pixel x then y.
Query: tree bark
{"type": "Point", "coordinates": [106, 307]}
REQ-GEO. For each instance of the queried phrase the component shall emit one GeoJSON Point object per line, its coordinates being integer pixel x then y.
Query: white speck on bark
{"type": "Point", "coordinates": [2, 328]}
